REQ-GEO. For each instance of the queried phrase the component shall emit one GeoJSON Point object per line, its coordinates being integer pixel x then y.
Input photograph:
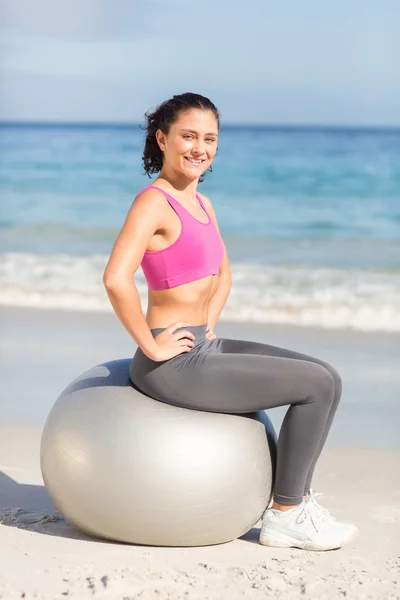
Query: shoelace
{"type": "Point", "coordinates": [316, 513]}
{"type": "Point", "coordinates": [312, 498]}
{"type": "Point", "coordinates": [305, 513]}
{"type": "Point", "coordinates": [321, 514]}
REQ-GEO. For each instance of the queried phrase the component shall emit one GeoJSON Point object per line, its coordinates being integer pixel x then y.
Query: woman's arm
{"type": "Point", "coordinates": [221, 294]}
{"type": "Point", "coordinates": [144, 218]}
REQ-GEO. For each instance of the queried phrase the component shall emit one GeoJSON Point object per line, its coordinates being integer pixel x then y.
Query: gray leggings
{"type": "Point", "coordinates": [238, 376]}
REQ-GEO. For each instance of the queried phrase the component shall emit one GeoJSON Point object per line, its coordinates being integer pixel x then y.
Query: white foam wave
{"type": "Point", "coordinates": [331, 298]}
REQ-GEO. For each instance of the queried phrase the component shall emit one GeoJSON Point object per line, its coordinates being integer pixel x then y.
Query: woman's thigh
{"type": "Point", "coordinates": [241, 382]}
{"type": "Point", "coordinates": [230, 346]}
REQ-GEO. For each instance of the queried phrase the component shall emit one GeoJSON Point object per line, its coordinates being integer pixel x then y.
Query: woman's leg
{"type": "Point", "coordinates": [235, 376]}
{"type": "Point", "coordinates": [213, 380]}
{"type": "Point", "coordinates": [227, 346]}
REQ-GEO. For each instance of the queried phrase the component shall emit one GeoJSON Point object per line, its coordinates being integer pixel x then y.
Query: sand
{"type": "Point", "coordinates": [44, 557]}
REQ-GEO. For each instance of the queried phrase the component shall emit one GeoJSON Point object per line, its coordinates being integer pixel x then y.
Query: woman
{"type": "Point", "coordinates": [171, 231]}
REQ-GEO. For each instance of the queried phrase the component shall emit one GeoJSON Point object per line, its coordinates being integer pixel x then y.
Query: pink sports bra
{"type": "Point", "coordinates": [196, 253]}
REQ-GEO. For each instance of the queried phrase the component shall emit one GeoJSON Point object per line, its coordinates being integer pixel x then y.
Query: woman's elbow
{"type": "Point", "coordinates": [114, 281]}
{"type": "Point", "coordinates": [108, 279]}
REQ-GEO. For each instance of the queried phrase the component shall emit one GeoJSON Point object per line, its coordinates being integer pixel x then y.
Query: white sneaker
{"type": "Point", "coordinates": [302, 527]}
{"type": "Point", "coordinates": [349, 531]}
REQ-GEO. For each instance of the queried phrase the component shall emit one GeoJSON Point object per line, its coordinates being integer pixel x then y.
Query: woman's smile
{"type": "Point", "coordinates": [195, 161]}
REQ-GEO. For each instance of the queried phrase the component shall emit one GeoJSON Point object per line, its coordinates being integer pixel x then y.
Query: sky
{"type": "Point", "coordinates": [260, 61]}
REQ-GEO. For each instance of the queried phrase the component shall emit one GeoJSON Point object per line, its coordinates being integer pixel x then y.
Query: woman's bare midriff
{"type": "Point", "coordinates": [188, 302]}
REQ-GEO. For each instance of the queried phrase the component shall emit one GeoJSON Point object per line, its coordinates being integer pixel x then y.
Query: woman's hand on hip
{"type": "Point", "coordinates": [171, 343]}
{"type": "Point", "coordinates": [210, 335]}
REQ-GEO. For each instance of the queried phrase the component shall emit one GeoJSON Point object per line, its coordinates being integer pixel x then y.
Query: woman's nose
{"type": "Point", "coordinates": [199, 147]}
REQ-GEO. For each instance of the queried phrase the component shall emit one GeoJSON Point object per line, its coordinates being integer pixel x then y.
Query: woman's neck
{"type": "Point", "coordinates": [184, 189]}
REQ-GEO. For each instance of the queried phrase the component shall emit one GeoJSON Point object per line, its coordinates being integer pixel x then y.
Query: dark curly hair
{"type": "Point", "coordinates": [162, 118]}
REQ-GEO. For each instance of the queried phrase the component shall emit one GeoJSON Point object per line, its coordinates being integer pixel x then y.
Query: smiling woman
{"type": "Point", "coordinates": [171, 231]}
{"type": "Point", "coordinates": [175, 231]}
{"type": "Point", "coordinates": [194, 136]}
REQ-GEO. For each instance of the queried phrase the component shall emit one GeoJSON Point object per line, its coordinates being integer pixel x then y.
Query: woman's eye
{"type": "Point", "coordinates": [188, 137]}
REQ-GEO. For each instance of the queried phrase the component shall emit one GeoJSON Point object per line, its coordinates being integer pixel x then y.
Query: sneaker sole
{"type": "Point", "coordinates": [287, 542]}
{"type": "Point", "coordinates": [298, 544]}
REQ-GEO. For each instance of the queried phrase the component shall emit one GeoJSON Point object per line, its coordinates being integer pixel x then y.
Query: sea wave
{"type": "Point", "coordinates": [361, 299]}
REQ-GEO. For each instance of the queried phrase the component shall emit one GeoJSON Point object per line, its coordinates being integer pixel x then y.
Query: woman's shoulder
{"type": "Point", "coordinates": [149, 202]}
{"type": "Point", "coordinates": [206, 200]}
{"type": "Point", "coordinates": [148, 192]}
{"type": "Point", "coordinates": [207, 203]}
{"type": "Point", "coordinates": [150, 195]}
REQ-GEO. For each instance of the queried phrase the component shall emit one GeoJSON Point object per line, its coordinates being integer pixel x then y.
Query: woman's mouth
{"type": "Point", "coordinates": [195, 161]}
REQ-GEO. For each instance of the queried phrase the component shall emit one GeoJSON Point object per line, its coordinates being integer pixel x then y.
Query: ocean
{"type": "Point", "coordinates": [310, 218]}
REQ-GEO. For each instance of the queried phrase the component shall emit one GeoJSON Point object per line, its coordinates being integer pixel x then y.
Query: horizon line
{"type": "Point", "coordinates": [238, 125]}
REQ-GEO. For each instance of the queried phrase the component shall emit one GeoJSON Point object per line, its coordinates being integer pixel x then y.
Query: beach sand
{"type": "Point", "coordinates": [44, 557]}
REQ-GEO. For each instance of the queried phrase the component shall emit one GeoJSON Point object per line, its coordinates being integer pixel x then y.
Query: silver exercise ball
{"type": "Point", "coordinates": [122, 466]}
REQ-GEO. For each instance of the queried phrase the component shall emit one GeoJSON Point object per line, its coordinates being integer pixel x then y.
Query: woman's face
{"type": "Point", "coordinates": [191, 143]}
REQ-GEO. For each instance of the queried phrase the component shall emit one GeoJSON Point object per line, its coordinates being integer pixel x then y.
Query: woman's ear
{"type": "Point", "coordinates": [160, 137]}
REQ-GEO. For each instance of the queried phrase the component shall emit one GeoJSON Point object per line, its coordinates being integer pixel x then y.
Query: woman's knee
{"type": "Point", "coordinates": [336, 378]}
{"type": "Point", "coordinates": [322, 385]}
